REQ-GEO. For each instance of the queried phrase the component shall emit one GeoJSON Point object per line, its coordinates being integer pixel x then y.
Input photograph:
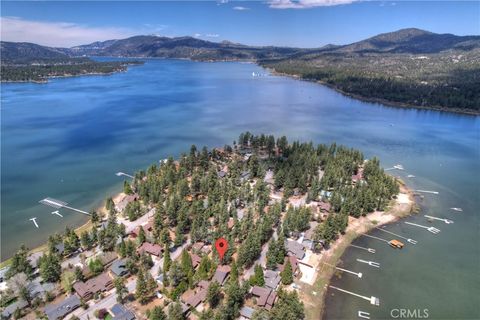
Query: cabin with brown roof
{"type": "Point", "coordinates": [122, 204]}
{"type": "Point", "coordinates": [265, 297]}
{"type": "Point", "coordinates": [221, 274]}
{"type": "Point", "coordinates": [325, 207]}
{"type": "Point", "coordinates": [193, 298]}
{"type": "Point", "coordinates": [150, 248]}
{"type": "Point", "coordinates": [86, 290]}
{"type": "Point", "coordinates": [293, 263]}
{"type": "Point", "coordinates": [195, 260]}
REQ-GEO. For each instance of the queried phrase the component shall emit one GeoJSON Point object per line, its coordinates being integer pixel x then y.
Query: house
{"type": "Point", "coordinates": [59, 248]}
{"type": "Point", "coordinates": [296, 249]}
{"type": "Point", "coordinates": [11, 308]}
{"type": "Point", "coordinates": [122, 204]}
{"type": "Point", "coordinates": [150, 248]}
{"type": "Point", "coordinates": [308, 237]}
{"type": "Point", "coordinates": [38, 289]}
{"type": "Point", "coordinates": [221, 274]}
{"type": "Point", "coordinates": [293, 263]}
{"type": "Point", "coordinates": [246, 313]}
{"type": "Point", "coordinates": [195, 260]}
{"type": "Point", "coordinates": [33, 259]}
{"type": "Point", "coordinates": [120, 312]}
{"type": "Point", "coordinates": [119, 268]}
{"type": "Point", "coordinates": [86, 290]}
{"type": "Point", "coordinates": [194, 298]}
{"type": "Point", "coordinates": [272, 279]}
{"type": "Point", "coordinates": [59, 310]}
{"type": "Point", "coordinates": [324, 207]}
{"type": "Point", "coordinates": [265, 297]}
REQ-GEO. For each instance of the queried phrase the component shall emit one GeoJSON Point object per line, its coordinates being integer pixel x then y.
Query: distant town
{"type": "Point", "coordinates": [287, 211]}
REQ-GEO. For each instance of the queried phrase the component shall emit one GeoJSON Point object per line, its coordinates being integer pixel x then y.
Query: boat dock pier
{"type": "Point", "coordinates": [370, 263]}
{"type": "Point", "coordinates": [34, 220]}
{"type": "Point", "coordinates": [397, 235]}
{"type": "Point", "coordinates": [431, 229]}
{"type": "Point", "coordinates": [57, 204]}
{"type": "Point", "coordinates": [363, 248]}
{"type": "Point", "coordinates": [377, 238]}
{"type": "Point", "coordinates": [358, 274]}
{"type": "Point", "coordinates": [427, 191]}
{"type": "Point", "coordinates": [119, 174]}
{"type": "Point", "coordinates": [373, 300]}
{"type": "Point", "coordinates": [447, 221]}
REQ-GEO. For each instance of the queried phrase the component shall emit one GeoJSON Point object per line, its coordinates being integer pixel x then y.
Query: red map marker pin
{"type": "Point", "coordinates": [221, 245]}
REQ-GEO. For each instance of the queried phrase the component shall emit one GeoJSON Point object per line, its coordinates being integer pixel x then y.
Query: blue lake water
{"type": "Point", "coordinates": [67, 139]}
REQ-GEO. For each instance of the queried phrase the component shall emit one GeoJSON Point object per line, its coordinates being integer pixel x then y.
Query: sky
{"type": "Point", "coordinates": [295, 23]}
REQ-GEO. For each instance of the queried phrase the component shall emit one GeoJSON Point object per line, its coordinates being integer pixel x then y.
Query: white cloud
{"type": "Point", "coordinates": [240, 8]}
{"type": "Point", "coordinates": [57, 34]}
{"type": "Point", "coordinates": [305, 4]}
{"type": "Point", "coordinates": [197, 35]}
{"type": "Point", "coordinates": [212, 35]}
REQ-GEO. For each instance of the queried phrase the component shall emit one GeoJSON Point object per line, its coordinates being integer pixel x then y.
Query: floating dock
{"type": "Point", "coordinates": [57, 204]}
{"type": "Point", "coordinates": [373, 300]}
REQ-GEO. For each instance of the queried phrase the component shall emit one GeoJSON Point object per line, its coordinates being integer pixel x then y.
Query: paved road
{"type": "Point", "coordinates": [262, 261]}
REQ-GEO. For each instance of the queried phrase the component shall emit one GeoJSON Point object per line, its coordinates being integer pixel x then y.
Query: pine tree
{"type": "Point", "coordinates": [50, 268]}
{"type": "Point", "coordinates": [287, 275]}
{"type": "Point", "coordinates": [141, 235]}
{"type": "Point", "coordinates": [120, 289]}
{"type": "Point", "coordinates": [213, 294]}
{"type": "Point", "coordinates": [157, 314]}
{"type": "Point", "coordinates": [258, 278]}
{"type": "Point", "coordinates": [167, 261]}
{"type": "Point", "coordinates": [141, 290]}
{"type": "Point", "coordinates": [175, 311]}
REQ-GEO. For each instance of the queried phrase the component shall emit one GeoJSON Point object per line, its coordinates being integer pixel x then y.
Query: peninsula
{"type": "Point", "coordinates": [286, 210]}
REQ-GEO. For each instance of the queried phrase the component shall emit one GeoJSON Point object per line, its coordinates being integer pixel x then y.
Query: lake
{"type": "Point", "coordinates": [67, 139]}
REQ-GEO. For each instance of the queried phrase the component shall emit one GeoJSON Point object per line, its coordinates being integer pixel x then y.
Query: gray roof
{"type": "Point", "coordinates": [120, 312]}
{"type": "Point", "coordinates": [38, 289]}
{"type": "Point", "coordinates": [10, 309]}
{"type": "Point", "coordinates": [3, 271]}
{"type": "Point", "coordinates": [247, 312]}
{"type": "Point", "coordinates": [60, 247]}
{"type": "Point", "coordinates": [61, 309]}
{"type": "Point", "coordinates": [272, 279]}
{"type": "Point", "coordinates": [119, 267]}
{"type": "Point", "coordinates": [296, 249]}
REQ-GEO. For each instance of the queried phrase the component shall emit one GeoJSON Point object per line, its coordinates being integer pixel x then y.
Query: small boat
{"type": "Point", "coordinates": [396, 244]}
{"type": "Point", "coordinates": [398, 166]}
{"type": "Point", "coordinates": [457, 209]}
{"type": "Point", "coordinates": [410, 176]}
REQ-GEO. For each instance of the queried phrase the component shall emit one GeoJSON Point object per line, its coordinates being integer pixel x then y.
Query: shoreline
{"type": "Point", "coordinates": [385, 102]}
{"type": "Point", "coordinates": [314, 295]}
